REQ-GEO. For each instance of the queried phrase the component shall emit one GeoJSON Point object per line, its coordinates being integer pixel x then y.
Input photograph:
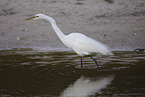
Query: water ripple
{"type": "Point", "coordinates": [33, 73]}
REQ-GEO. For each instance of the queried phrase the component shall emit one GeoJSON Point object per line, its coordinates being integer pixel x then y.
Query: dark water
{"type": "Point", "coordinates": [58, 74]}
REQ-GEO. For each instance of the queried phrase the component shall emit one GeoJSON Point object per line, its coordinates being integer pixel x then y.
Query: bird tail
{"type": "Point", "coordinates": [102, 49]}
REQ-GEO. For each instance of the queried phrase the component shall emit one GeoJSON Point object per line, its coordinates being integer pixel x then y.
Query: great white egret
{"type": "Point", "coordinates": [79, 42]}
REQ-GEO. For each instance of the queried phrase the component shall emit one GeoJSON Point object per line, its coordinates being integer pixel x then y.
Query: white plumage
{"type": "Point", "coordinates": [80, 43]}
{"type": "Point", "coordinates": [84, 45]}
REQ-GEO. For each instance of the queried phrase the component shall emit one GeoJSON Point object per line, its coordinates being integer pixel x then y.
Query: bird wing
{"type": "Point", "coordinates": [84, 45]}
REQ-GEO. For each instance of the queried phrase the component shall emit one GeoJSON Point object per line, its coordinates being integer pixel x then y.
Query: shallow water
{"type": "Point", "coordinates": [59, 74]}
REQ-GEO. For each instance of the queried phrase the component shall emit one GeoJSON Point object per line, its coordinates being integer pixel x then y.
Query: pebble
{"type": "Point", "coordinates": [134, 34]}
{"type": "Point", "coordinates": [18, 38]}
{"type": "Point", "coordinates": [24, 29]}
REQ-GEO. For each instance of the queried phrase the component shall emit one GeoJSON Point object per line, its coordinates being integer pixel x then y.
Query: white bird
{"type": "Point", "coordinates": [79, 42]}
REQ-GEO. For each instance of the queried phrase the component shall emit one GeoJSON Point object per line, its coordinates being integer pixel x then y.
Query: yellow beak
{"type": "Point", "coordinates": [31, 18]}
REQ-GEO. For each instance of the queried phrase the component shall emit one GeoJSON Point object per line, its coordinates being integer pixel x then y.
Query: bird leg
{"type": "Point", "coordinates": [94, 61]}
{"type": "Point", "coordinates": [81, 62]}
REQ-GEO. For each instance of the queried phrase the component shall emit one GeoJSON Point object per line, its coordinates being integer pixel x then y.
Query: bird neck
{"type": "Point", "coordinates": [59, 33]}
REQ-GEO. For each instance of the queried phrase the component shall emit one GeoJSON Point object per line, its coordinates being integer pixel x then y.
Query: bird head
{"type": "Point", "coordinates": [37, 16]}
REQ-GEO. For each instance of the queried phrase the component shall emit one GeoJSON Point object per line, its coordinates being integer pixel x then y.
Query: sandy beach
{"type": "Point", "coordinates": [120, 25]}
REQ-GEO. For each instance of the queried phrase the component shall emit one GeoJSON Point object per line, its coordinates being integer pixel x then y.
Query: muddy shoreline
{"type": "Point", "coordinates": [120, 24]}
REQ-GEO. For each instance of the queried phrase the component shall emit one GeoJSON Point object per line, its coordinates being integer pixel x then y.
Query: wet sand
{"type": "Point", "coordinates": [120, 24]}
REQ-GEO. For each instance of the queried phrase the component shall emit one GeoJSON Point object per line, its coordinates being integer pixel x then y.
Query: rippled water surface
{"type": "Point", "coordinates": [59, 74]}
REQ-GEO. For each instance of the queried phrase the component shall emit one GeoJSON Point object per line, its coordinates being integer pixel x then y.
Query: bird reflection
{"type": "Point", "coordinates": [85, 86]}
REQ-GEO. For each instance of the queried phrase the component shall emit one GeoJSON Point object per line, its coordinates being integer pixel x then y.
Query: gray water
{"type": "Point", "coordinates": [59, 74]}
